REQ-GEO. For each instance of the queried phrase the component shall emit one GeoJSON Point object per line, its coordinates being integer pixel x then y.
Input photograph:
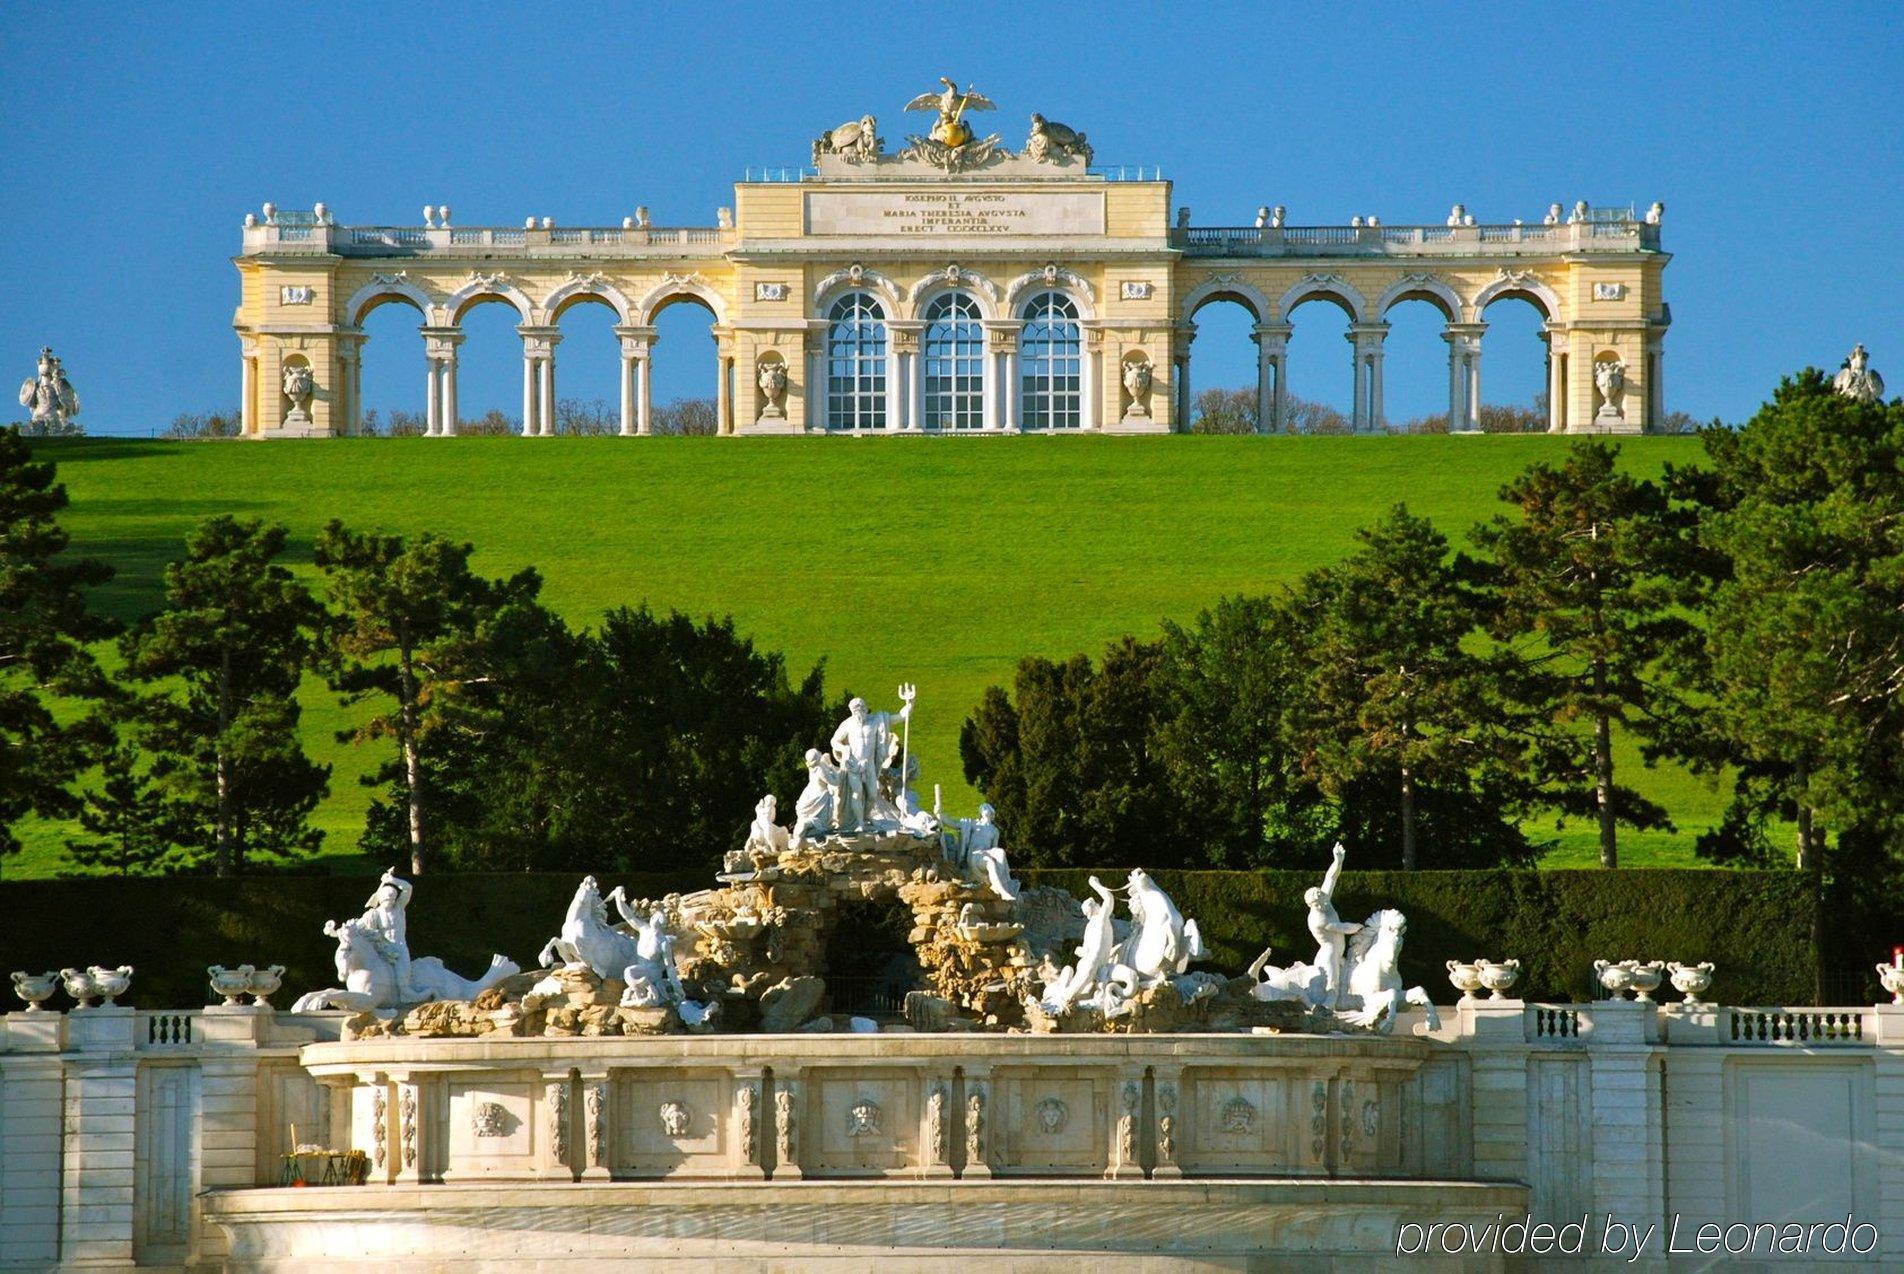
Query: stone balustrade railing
{"type": "Point", "coordinates": [1409, 241]}
{"type": "Point", "coordinates": [288, 234]}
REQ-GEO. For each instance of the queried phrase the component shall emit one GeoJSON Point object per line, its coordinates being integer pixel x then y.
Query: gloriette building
{"type": "Point", "coordinates": [953, 284]}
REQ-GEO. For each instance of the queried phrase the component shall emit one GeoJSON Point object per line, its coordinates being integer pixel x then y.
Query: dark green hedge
{"type": "Point", "coordinates": [1755, 926]}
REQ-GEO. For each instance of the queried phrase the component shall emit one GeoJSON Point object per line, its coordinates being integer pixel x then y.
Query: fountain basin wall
{"type": "Point", "coordinates": [139, 1137]}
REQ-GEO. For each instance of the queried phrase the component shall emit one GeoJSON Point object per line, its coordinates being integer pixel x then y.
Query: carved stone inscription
{"type": "Point", "coordinates": [955, 212]}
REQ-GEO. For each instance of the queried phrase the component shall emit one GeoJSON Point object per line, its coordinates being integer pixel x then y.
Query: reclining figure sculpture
{"type": "Point", "coordinates": [374, 963]}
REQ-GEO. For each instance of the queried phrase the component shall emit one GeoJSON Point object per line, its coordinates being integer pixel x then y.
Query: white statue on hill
{"type": "Point", "coordinates": [374, 963]}
{"type": "Point", "coordinates": [865, 745]}
{"type": "Point", "coordinates": [973, 843]}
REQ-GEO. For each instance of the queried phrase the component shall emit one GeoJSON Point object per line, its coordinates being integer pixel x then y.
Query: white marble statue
{"type": "Point", "coordinates": [1365, 989]}
{"type": "Point", "coordinates": [298, 385]}
{"type": "Point", "coordinates": [814, 813]}
{"type": "Point", "coordinates": [974, 844]}
{"type": "Point", "coordinates": [1137, 380]}
{"type": "Point", "coordinates": [1095, 953]}
{"type": "Point", "coordinates": [766, 835]}
{"type": "Point", "coordinates": [651, 978]}
{"type": "Point", "coordinates": [1051, 141]}
{"type": "Point", "coordinates": [1609, 377]}
{"type": "Point", "coordinates": [1162, 943]}
{"type": "Point", "coordinates": [857, 141]}
{"type": "Point", "coordinates": [772, 380]}
{"type": "Point", "coordinates": [52, 406]}
{"type": "Point", "coordinates": [1856, 381]}
{"type": "Point", "coordinates": [864, 746]}
{"type": "Point", "coordinates": [587, 937]}
{"type": "Point", "coordinates": [375, 966]}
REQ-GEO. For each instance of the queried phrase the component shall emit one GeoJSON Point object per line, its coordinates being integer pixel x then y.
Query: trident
{"type": "Point", "coordinates": [907, 693]}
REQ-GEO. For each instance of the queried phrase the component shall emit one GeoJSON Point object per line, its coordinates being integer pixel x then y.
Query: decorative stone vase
{"type": "Point", "coordinates": [36, 989]}
{"type": "Point", "coordinates": [79, 984]}
{"type": "Point", "coordinates": [1616, 978]}
{"type": "Point", "coordinates": [1890, 976]}
{"type": "Point", "coordinates": [1498, 976]}
{"type": "Point", "coordinates": [1466, 979]}
{"type": "Point", "coordinates": [230, 983]}
{"type": "Point", "coordinates": [1646, 978]}
{"type": "Point", "coordinates": [111, 983]}
{"type": "Point", "coordinates": [1691, 980]}
{"type": "Point", "coordinates": [265, 983]}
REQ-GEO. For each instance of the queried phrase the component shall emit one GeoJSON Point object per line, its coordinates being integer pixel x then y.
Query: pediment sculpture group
{"type": "Point", "coordinates": [858, 797]}
{"type": "Point", "coordinates": [950, 144]}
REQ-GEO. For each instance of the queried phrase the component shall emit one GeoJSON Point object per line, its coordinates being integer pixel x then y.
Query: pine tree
{"type": "Point", "coordinates": [1584, 594]}
{"type": "Point", "coordinates": [44, 628]}
{"type": "Point", "coordinates": [227, 652]}
{"type": "Point", "coordinates": [401, 608]}
{"type": "Point", "coordinates": [128, 816]}
{"type": "Point", "coordinates": [1395, 696]}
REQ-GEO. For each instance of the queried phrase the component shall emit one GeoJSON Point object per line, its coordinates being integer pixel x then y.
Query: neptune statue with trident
{"type": "Point", "coordinates": [864, 747]}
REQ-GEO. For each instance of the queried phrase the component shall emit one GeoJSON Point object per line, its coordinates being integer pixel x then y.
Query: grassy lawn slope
{"type": "Point", "coordinates": [939, 561]}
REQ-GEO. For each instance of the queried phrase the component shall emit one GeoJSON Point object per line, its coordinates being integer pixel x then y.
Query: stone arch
{"type": "Point", "coordinates": [1523, 284]}
{"type": "Point", "coordinates": [1053, 278]}
{"type": "Point", "coordinates": [477, 291]}
{"type": "Point", "coordinates": [381, 290]}
{"type": "Point", "coordinates": [954, 279]}
{"type": "Point", "coordinates": [678, 287]}
{"type": "Point", "coordinates": [856, 278]}
{"type": "Point", "coordinates": [593, 288]}
{"type": "Point", "coordinates": [1422, 287]}
{"type": "Point", "coordinates": [1229, 287]}
{"type": "Point", "coordinates": [1327, 287]}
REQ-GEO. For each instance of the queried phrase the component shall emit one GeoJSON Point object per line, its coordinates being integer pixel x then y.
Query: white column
{"type": "Point", "coordinates": [1464, 375]}
{"type": "Point", "coordinates": [627, 394]}
{"type": "Point", "coordinates": [915, 391]}
{"type": "Point", "coordinates": [721, 391]}
{"type": "Point", "coordinates": [644, 395]}
{"type": "Point", "coordinates": [432, 397]}
{"type": "Point", "coordinates": [1014, 390]}
{"type": "Point", "coordinates": [1265, 386]}
{"type": "Point", "coordinates": [1092, 371]}
{"type": "Point", "coordinates": [248, 387]}
{"type": "Point", "coordinates": [357, 389]}
{"type": "Point", "coordinates": [815, 390]}
{"type": "Point", "coordinates": [1556, 383]}
{"type": "Point", "coordinates": [449, 395]}
{"type": "Point", "coordinates": [545, 404]}
{"type": "Point", "coordinates": [1367, 339]}
{"type": "Point", "coordinates": [528, 391]}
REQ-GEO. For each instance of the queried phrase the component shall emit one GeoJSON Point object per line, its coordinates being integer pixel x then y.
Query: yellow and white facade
{"type": "Point", "coordinates": [877, 292]}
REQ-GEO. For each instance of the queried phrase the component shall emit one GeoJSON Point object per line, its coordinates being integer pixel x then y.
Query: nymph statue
{"type": "Point", "coordinates": [814, 813]}
{"type": "Point", "coordinates": [974, 842]}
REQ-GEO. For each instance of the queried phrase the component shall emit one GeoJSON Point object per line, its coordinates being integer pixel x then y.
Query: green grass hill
{"type": "Point", "coordinates": [939, 561]}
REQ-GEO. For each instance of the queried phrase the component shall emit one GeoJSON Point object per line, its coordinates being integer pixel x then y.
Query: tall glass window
{"type": "Point", "coordinates": [856, 364]}
{"type": "Point", "coordinates": [953, 353]}
{"type": "Point", "coordinates": [1050, 355]}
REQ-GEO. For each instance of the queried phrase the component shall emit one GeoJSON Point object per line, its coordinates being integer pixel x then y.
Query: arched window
{"type": "Point", "coordinates": [954, 358]}
{"type": "Point", "coordinates": [856, 364]}
{"type": "Point", "coordinates": [1050, 355]}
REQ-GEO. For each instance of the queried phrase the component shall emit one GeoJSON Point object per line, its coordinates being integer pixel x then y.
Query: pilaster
{"type": "Point", "coordinates": [32, 1169]}
{"type": "Point", "coordinates": [96, 1216]}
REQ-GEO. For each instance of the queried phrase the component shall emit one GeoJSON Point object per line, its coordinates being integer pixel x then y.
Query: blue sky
{"type": "Point", "coordinates": [137, 137]}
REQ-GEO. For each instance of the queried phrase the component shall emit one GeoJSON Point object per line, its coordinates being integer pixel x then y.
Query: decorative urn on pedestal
{"type": "Point", "coordinates": [1498, 976]}
{"type": "Point", "coordinates": [265, 983]}
{"type": "Point", "coordinates": [1691, 980]}
{"type": "Point", "coordinates": [1646, 978]}
{"type": "Point", "coordinates": [36, 989]}
{"type": "Point", "coordinates": [230, 983]}
{"type": "Point", "coordinates": [1466, 978]}
{"type": "Point", "coordinates": [1617, 978]}
{"type": "Point", "coordinates": [79, 984]}
{"type": "Point", "coordinates": [111, 983]}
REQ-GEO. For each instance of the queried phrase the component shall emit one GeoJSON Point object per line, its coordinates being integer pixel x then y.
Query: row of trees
{"type": "Point", "coordinates": [1744, 616]}
{"type": "Point", "coordinates": [1233, 411]}
{"type": "Point", "coordinates": [513, 741]}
